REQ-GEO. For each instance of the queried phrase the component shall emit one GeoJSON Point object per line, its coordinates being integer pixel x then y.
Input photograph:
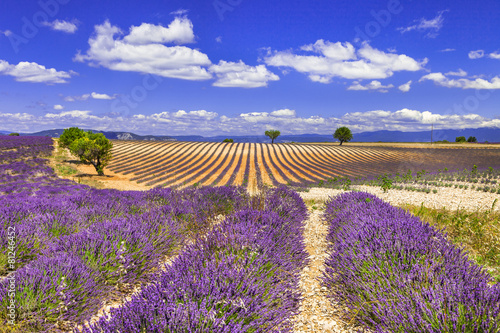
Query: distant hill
{"type": "Point", "coordinates": [482, 134]}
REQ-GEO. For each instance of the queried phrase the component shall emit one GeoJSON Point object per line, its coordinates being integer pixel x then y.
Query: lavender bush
{"type": "Point", "coordinates": [241, 277]}
{"type": "Point", "coordinates": [398, 274]}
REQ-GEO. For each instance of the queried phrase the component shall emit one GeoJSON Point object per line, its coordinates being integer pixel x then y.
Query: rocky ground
{"type": "Point", "coordinates": [317, 313]}
{"type": "Point", "coordinates": [451, 198]}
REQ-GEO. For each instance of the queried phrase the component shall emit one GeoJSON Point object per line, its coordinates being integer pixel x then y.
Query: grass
{"type": "Point", "coordinates": [314, 204]}
{"type": "Point", "coordinates": [477, 232]}
{"type": "Point", "coordinates": [59, 162]}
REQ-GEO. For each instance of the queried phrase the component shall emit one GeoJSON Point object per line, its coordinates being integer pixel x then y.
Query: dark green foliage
{"type": "Point", "coordinates": [460, 139]}
{"type": "Point", "coordinates": [343, 134]}
{"type": "Point", "coordinates": [228, 140]}
{"type": "Point", "coordinates": [69, 135]}
{"type": "Point", "coordinates": [472, 139]}
{"type": "Point", "coordinates": [91, 148]}
{"type": "Point", "coordinates": [14, 134]}
{"type": "Point", "coordinates": [272, 134]}
{"type": "Point", "coordinates": [386, 184]}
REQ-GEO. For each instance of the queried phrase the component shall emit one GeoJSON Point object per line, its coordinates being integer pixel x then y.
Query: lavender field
{"type": "Point", "coordinates": [215, 259]}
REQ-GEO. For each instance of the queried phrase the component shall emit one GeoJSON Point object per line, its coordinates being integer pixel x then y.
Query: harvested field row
{"type": "Point", "coordinates": [256, 164]}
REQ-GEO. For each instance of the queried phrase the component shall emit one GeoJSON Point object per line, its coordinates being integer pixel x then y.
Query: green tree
{"type": "Point", "coordinates": [460, 139]}
{"type": "Point", "coordinates": [228, 140]}
{"type": "Point", "coordinates": [272, 134]}
{"type": "Point", "coordinates": [13, 134]}
{"type": "Point", "coordinates": [343, 134]}
{"type": "Point", "coordinates": [69, 135]}
{"type": "Point", "coordinates": [90, 148]}
{"type": "Point", "coordinates": [472, 139]}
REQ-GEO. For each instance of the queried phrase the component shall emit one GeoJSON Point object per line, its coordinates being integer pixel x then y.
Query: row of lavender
{"type": "Point", "coordinates": [242, 277]}
{"type": "Point", "coordinates": [396, 273]}
{"type": "Point", "coordinates": [24, 167]}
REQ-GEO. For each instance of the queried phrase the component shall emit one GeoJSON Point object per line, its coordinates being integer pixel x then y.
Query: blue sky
{"type": "Point", "coordinates": [241, 67]}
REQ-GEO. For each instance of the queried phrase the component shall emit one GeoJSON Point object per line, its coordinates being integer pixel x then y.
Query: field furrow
{"type": "Point", "coordinates": [226, 173]}
{"type": "Point", "coordinates": [169, 163]}
{"type": "Point", "coordinates": [190, 171]}
{"type": "Point", "coordinates": [221, 163]}
{"type": "Point", "coordinates": [182, 167]}
{"type": "Point", "coordinates": [145, 159]}
{"type": "Point", "coordinates": [290, 164]}
{"type": "Point", "coordinates": [262, 171]}
{"type": "Point", "coordinates": [255, 164]}
{"type": "Point", "coordinates": [276, 170]}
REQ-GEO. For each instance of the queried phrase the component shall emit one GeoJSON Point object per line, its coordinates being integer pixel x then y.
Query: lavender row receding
{"type": "Point", "coordinates": [242, 277]}
{"type": "Point", "coordinates": [396, 273]}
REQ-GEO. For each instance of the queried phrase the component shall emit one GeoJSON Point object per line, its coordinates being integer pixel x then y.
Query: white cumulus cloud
{"type": "Point", "coordinates": [58, 107]}
{"type": "Point", "coordinates": [460, 72]}
{"type": "Point", "coordinates": [283, 113]}
{"type": "Point", "coordinates": [374, 85]}
{"type": "Point", "coordinates": [342, 60]}
{"type": "Point", "coordinates": [476, 54]}
{"type": "Point", "coordinates": [238, 74]}
{"type": "Point", "coordinates": [463, 83]}
{"type": "Point", "coordinates": [64, 26]}
{"type": "Point", "coordinates": [494, 55]}
{"type": "Point", "coordinates": [406, 86]}
{"type": "Point", "coordinates": [179, 31]}
{"type": "Point", "coordinates": [145, 53]}
{"type": "Point", "coordinates": [33, 72]}
{"type": "Point", "coordinates": [73, 114]}
{"type": "Point", "coordinates": [101, 96]}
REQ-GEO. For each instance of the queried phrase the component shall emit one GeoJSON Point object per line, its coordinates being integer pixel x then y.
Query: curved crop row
{"type": "Point", "coordinates": [256, 164]}
{"type": "Point", "coordinates": [396, 273]}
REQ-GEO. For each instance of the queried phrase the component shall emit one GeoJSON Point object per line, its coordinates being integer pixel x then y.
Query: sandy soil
{"type": "Point", "coordinates": [260, 164]}
{"type": "Point", "coordinates": [238, 180]}
{"type": "Point", "coordinates": [290, 164]}
{"type": "Point", "coordinates": [240, 152]}
{"type": "Point", "coordinates": [87, 174]}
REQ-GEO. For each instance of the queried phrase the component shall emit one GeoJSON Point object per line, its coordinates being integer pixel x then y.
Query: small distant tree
{"type": "Point", "coordinates": [228, 140]}
{"type": "Point", "coordinates": [460, 139]}
{"type": "Point", "coordinates": [343, 134]}
{"type": "Point", "coordinates": [272, 134]}
{"type": "Point", "coordinates": [472, 139]}
{"type": "Point", "coordinates": [13, 134]}
{"type": "Point", "coordinates": [91, 148]}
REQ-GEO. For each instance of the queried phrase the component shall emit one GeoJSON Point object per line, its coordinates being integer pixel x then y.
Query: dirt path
{"type": "Point", "coordinates": [86, 174]}
{"type": "Point", "coordinates": [317, 313]}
